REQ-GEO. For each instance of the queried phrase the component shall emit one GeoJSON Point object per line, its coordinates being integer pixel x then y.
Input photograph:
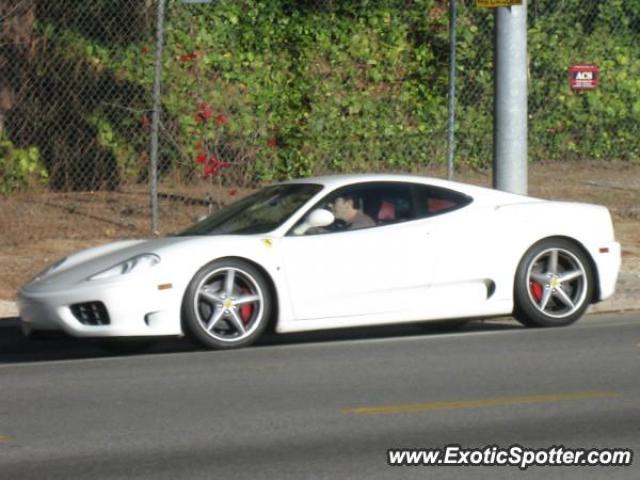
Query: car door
{"type": "Point", "coordinates": [383, 269]}
{"type": "Point", "coordinates": [461, 235]}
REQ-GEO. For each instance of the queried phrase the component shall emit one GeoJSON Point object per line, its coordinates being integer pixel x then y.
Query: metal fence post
{"type": "Point", "coordinates": [155, 121]}
{"type": "Point", "coordinates": [510, 100]}
{"type": "Point", "coordinates": [453, 18]}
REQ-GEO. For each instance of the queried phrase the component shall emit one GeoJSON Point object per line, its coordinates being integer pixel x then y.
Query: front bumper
{"type": "Point", "coordinates": [134, 309]}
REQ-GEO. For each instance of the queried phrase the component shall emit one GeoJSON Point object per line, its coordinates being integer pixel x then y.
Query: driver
{"type": "Point", "coordinates": [345, 208]}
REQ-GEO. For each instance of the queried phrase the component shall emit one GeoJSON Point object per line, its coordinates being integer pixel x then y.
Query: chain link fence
{"type": "Point", "coordinates": [260, 91]}
{"type": "Point", "coordinates": [74, 93]}
{"type": "Point", "coordinates": [603, 124]}
{"type": "Point", "coordinates": [255, 91]}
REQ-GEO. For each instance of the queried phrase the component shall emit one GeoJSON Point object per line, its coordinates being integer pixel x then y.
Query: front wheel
{"type": "Point", "coordinates": [553, 284]}
{"type": "Point", "coordinates": [227, 304]}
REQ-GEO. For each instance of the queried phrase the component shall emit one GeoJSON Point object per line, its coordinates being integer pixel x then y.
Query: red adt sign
{"type": "Point", "coordinates": [584, 77]}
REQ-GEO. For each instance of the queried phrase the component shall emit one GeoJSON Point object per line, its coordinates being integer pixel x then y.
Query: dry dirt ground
{"type": "Point", "coordinates": [36, 229]}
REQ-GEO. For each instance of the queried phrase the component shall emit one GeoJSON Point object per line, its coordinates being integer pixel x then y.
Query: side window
{"type": "Point", "coordinates": [362, 205]}
{"type": "Point", "coordinates": [435, 200]}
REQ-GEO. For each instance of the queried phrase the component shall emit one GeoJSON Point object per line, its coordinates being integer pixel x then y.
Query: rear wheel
{"type": "Point", "coordinates": [553, 284]}
{"type": "Point", "coordinates": [227, 304]}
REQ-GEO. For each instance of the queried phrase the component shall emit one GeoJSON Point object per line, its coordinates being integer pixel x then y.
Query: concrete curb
{"type": "Point", "coordinates": [8, 309]}
{"type": "Point", "coordinates": [627, 296]}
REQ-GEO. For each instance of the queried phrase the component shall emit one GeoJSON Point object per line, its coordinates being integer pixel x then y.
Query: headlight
{"type": "Point", "coordinates": [141, 262]}
{"type": "Point", "coordinates": [50, 269]}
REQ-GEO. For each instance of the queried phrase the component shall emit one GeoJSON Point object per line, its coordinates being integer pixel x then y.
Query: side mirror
{"type": "Point", "coordinates": [317, 219]}
{"type": "Point", "coordinates": [320, 218]}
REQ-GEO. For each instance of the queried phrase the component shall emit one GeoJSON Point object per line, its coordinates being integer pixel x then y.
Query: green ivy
{"type": "Point", "coordinates": [19, 166]}
{"type": "Point", "coordinates": [284, 88]}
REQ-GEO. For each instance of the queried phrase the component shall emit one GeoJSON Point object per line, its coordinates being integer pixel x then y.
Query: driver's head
{"type": "Point", "coordinates": [345, 207]}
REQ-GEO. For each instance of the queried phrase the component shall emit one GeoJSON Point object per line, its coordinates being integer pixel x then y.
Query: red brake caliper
{"type": "Point", "coordinates": [536, 291]}
{"type": "Point", "coordinates": [246, 310]}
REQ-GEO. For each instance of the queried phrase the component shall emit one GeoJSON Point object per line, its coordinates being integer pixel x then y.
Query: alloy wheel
{"type": "Point", "coordinates": [229, 304]}
{"type": "Point", "coordinates": [557, 283]}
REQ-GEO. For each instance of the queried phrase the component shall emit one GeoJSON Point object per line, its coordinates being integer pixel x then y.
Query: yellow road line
{"type": "Point", "coordinates": [487, 402]}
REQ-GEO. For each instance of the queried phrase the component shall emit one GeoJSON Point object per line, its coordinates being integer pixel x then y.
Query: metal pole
{"type": "Point", "coordinates": [451, 146]}
{"type": "Point", "coordinates": [155, 121]}
{"type": "Point", "coordinates": [510, 100]}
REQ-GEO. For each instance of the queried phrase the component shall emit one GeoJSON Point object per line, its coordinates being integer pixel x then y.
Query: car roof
{"type": "Point", "coordinates": [332, 182]}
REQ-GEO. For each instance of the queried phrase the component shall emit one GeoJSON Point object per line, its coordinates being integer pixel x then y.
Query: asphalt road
{"type": "Point", "coordinates": [324, 405]}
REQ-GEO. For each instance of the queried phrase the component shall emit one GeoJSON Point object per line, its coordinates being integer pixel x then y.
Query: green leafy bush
{"type": "Point", "coordinates": [282, 88]}
{"type": "Point", "coordinates": [601, 124]}
{"type": "Point", "coordinates": [347, 86]}
{"type": "Point", "coordinates": [19, 166]}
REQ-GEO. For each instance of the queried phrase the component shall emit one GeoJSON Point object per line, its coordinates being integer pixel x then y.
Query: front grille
{"type": "Point", "coordinates": [91, 313]}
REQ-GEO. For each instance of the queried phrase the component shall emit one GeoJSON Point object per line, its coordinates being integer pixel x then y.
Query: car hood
{"type": "Point", "coordinates": [180, 256]}
{"type": "Point", "coordinates": [80, 266]}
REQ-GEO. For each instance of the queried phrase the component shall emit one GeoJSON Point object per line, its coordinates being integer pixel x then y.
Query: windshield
{"type": "Point", "coordinates": [261, 212]}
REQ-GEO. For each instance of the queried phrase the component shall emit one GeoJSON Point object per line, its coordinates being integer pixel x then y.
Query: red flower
{"type": "Point", "coordinates": [221, 119]}
{"type": "Point", "coordinates": [204, 113]}
{"type": "Point", "coordinates": [209, 170]}
{"type": "Point", "coordinates": [201, 159]}
{"type": "Point", "coordinates": [187, 57]}
{"type": "Point", "coordinates": [272, 142]}
{"type": "Point", "coordinates": [213, 166]}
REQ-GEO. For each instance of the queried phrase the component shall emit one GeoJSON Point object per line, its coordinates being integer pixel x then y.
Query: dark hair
{"type": "Point", "coordinates": [356, 200]}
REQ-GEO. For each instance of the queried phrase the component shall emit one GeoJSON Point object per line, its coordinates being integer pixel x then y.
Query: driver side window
{"type": "Point", "coordinates": [358, 206]}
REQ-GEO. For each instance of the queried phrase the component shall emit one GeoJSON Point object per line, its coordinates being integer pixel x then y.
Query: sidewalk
{"type": "Point", "coordinates": [627, 297]}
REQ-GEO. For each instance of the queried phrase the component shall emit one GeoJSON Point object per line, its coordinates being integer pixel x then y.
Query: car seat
{"type": "Point", "coordinates": [386, 212]}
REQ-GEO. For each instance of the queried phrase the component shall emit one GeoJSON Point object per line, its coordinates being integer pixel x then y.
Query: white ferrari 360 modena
{"type": "Point", "coordinates": [334, 252]}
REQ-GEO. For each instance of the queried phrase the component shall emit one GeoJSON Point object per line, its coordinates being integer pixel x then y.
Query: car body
{"type": "Point", "coordinates": [438, 250]}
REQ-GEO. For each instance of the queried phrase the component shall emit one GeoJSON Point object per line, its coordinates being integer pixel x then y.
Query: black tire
{"type": "Point", "coordinates": [210, 312]}
{"type": "Point", "coordinates": [552, 293]}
